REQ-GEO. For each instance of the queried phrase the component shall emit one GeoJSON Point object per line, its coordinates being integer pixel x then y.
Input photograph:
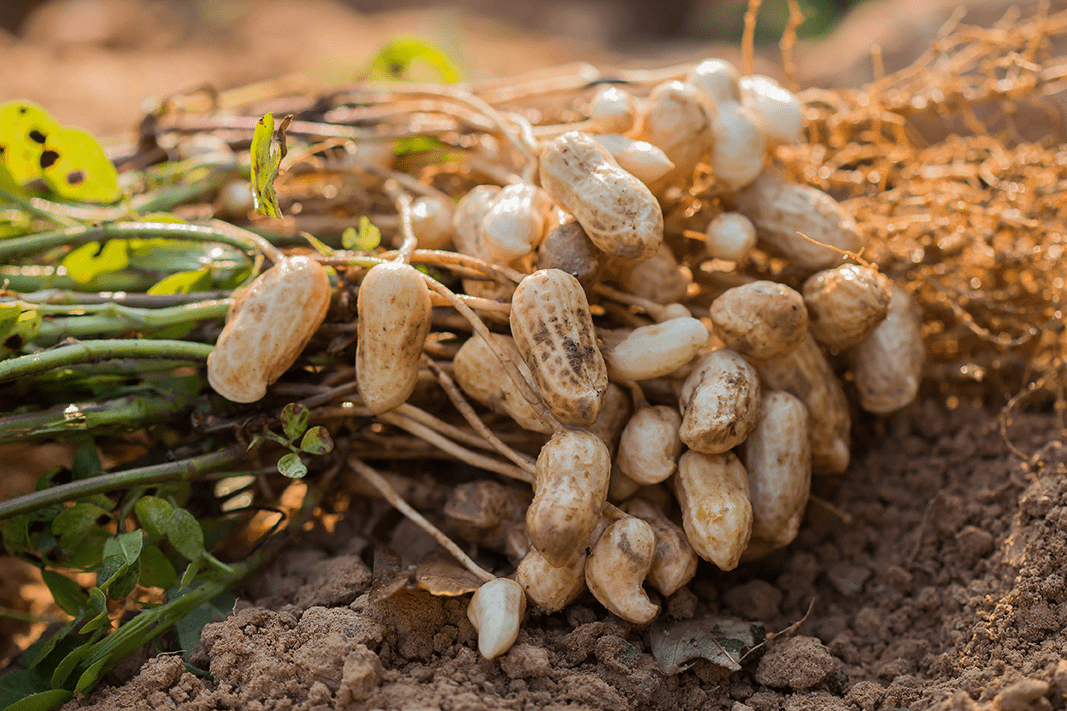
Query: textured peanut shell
{"type": "Point", "coordinates": [780, 209]}
{"type": "Point", "coordinates": [568, 248]}
{"type": "Point", "coordinates": [570, 487]}
{"type": "Point", "coordinates": [675, 122]}
{"type": "Point", "coordinates": [270, 322]}
{"type": "Point", "coordinates": [806, 373]}
{"type": "Point", "coordinates": [657, 278]}
{"type": "Point", "coordinates": [888, 363]}
{"type": "Point", "coordinates": [553, 330]}
{"type": "Point", "coordinates": [617, 566]}
{"type": "Point", "coordinates": [712, 491]}
{"type": "Point", "coordinates": [650, 445]}
{"type": "Point", "coordinates": [720, 402]}
{"type": "Point", "coordinates": [656, 350]}
{"type": "Point", "coordinates": [480, 375]}
{"type": "Point", "coordinates": [761, 319]}
{"type": "Point", "coordinates": [394, 318]}
{"type": "Point", "coordinates": [618, 212]}
{"type": "Point", "coordinates": [675, 562]}
{"type": "Point", "coordinates": [614, 414]}
{"type": "Point", "coordinates": [777, 456]}
{"type": "Point", "coordinates": [549, 587]}
{"type": "Point", "coordinates": [845, 304]}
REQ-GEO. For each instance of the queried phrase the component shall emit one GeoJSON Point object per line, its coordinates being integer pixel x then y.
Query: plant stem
{"type": "Point", "coordinates": [92, 350]}
{"type": "Point", "coordinates": [183, 470]}
{"type": "Point", "coordinates": [78, 301]}
{"type": "Point", "coordinates": [131, 411]}
{"type": "Point", "coordinates": [113, 317]}
{"type": "Point", "coordinates": [36, 207]}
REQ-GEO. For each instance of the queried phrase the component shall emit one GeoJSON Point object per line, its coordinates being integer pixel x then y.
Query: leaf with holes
{"type": "Point", "coordinates": [317, 441]}
{"type": "Point", "coordinates": [24, 129]}
{"type": "Point", "coordinates": [76, 168]}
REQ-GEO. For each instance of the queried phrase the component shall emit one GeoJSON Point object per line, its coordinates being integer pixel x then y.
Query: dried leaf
{"type": "Point", "coordinates": [389, 576]}
{"type": "Point", "coordinates": [722, 641]}
{"type": "Point", "coordinates": [439, 574]}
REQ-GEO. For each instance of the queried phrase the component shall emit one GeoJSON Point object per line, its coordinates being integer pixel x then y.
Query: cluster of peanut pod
{"type": "Point", "coordinates": [688, 432]}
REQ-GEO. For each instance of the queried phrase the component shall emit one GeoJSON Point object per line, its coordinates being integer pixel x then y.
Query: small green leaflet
{"type": "Point", "coordinates": [394, 61]}
{"type": "Point", "coordinates": [88, 261]}
{"type": "Point", "coordinates": [75, 168]}
{"type": "Point", "coordinates": [366, 239]}
{"type": "Point", "coordinates": [292, 466]}
{"type": "Point", "coordinates": [183, 282]}
{"type": "Point", "coordinates": [24, 129]}
{"type": "Point", "coordinates": [317, 441]}
{"type": "Point", "coordinates": [265, 164]}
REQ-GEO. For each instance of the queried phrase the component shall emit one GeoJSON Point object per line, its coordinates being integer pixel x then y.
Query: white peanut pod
{"type": "Point", "coordinates": [675, 562]}
{"type": "Point", "coordinates": [431, 221]}
{"type": "Point", "coordinates": [467, 225]}
{"type": "Point", "coordinates": [515, 223]}
{"type": "Point", "coordinates": [650, 445]}
{"type": "Point", "coordinates": [806, 373]}
{"type": "Point", "coordinates": [496, 611]}
{"type": "Point", "coordinates": [644, 161]}
{"type": "Point", "coordinates": [267, 327]}
{"type": "Point", "coordinates": [761, 319]}
{"type": "Point", "coordinates": [777, 456]}
{"type": "Point", "coordinates": [780, 209]}
{"type": "Point", "coordinates": [480, 375]}
{"type": "Point", "coordinates": [567, 247]}
{"type": "Point", "coordinates": [614, 414]}
{"type": "Point", "coordinates": [612, 110]}
{"type": "Point", "coordinates": [570, 488]}
{"type": "Point", "coordinates": [712, 492]}
{"type": "Point", "coordinates": [730, 236]}
{"type": "Point", "coordinates": [888, 364]}
{"type": "Point", "coordinates": [394, 319]}
{"type": "Point", "coordinates": [778, 109]}
{"type": "Point", "coordinates": [716, 81]}
{"type": "Point", "coordinates": [551, 587]}
{"type": "Point", "coordinates": [617, 567]}
{"type": "Point", "coordinates": [554, 333]}
{"type": "Point", "coordinates": [618, 212]}
{"type": "Point", "coordinates": [658, 278]}
{"type": "Point", "coordinates": [845, 304]}
{"type": "Point", "coordinates": [675, 121]}
{"type": "Point", "coordinates": [719, 402]}
{"type": "Point", "coordinates": [656, 350]}
{"type": "Point", "coordinates": [740, 145]}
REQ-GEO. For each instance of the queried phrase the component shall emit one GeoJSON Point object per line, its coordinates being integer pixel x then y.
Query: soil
{"type": "Point", "coordinates": [933, 572]}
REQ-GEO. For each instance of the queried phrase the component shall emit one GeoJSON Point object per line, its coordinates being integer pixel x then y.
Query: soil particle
{"type": "Point", "coordinates": [795, 663]}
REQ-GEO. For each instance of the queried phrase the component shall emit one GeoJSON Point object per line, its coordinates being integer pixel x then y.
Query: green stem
{"type": "Point", "coordinates": [132, 411]}
{"type": "Point", "coordinates": [77, 301]}
{"type": "Point", "coordinates": [37, 277]}
{"type": "Point", "coordinates": [185, 470]}
{"type": "Point", "coordinates": [36, 207]}
{"type": "Point", "coordinates": [113, 317]}
{"type": "Point", "coordinates": [93, 350]}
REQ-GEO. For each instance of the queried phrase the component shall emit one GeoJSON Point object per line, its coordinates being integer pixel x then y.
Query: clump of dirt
{"type": "Point", "coordinates": [933, 572]}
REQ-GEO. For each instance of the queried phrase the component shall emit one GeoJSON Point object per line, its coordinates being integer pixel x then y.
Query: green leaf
{"type": "Point", "coordinates": [317, 441]}
{"type": "Point", "coordinates": [318, 245]}
{"type": "Point", "coordinates": [414, 145]}
{"type": "Point", "coordinates": [89, 678]}
{"type": "Point", "coordinates": [48, 651]}
{"type": "Point", "coordinates": [190, 627]}
{"type": "Point", "coordinates": [19, 324]}
{"type": "Point", "coordinates": [24, 129]}
{"type": "Point", "coordinates": [75, 521]}
{"type": "Point", "coordinates": [190, 572]}
{"type": "Point", "coordinates": [294, 420]}
{"type": "Point", "coordinates": [156, 570]}
{"type": "Point", "coordinates": [85, 263]}
{"type": "Point", "coordinates": [183, 282]}
{"type": "Point", "coordinates": [67, 594]}
{"type": "Point", "coordinates": [16, 533]}
{"type": "Point", "coordinates": [154, 513]}
{"type": "Point", "coordinates": [98, 602]}
{"type": "Point", "coordinates": [75, 167]}
{"type": "Point", "coordinates": [69, 662]}
{"type": "Point", "coordinates": [394, 61]}
{"type": "Point", "coordinates": [125, 581]}
{"type": "Point", "coordinates": [131, 543]}
{"type": "Point", "coordinates": [43, 701]}
{"type": "Point", "coordinates": [86, 462]}
{"type": "Point", "coordinates": [185, 534]}
{"type": "Point", "coordinates": [111, 568]}
{"type": "Point", "coordinates": [265, 164]}
{"type": "Point", "coordinates": [366, 239]}
{"type": "Point", "coordinates": [292, 466]}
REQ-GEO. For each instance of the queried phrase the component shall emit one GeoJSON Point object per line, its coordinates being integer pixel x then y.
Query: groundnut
{"type": "Point", "coordinates": [719, 402]}
{"type": "Point", "coordinates": [552, 588]}
{"type": "Point", "coordinates": [675, 562]}
{"type": "Point", "coordinates": [570, 487]}
{"type": "Point", "coordinates": [675, 121]}
{"type": "Point", "coordinates": [778, 109]}
{"type": "Point", "coordinates": [614, 414]}
{"type": "Point", "coordinates": [777, 456]}
{"type": "Point", "coordinates": [780, 210]}
{"type": "Point", "coordinates": [650, 445]}
{"type": "Point", "coordinates": [656, 350]}
{"type": "Point", "coordinates": [496, 611]}
{"type": "Point", "coordinates": [267, 327]}
{"type": "Point", "coordinates": [845, 304]}
{"type": "Point", "coordinates": [740, 145]}
{"type": "Point", "coordinates": [716, 81]}
{"type": "Point", "coordinates": [730, 236]}
{"type": "Point", "coordinates": [431, 221]}
{"type": "Point", "coordinates": [712, 491]}
{"type": "Point", "coordinates": [806, 373]}
{"type": "Point", "coordinates": [515, 222]}
{"type": "Point", "coordinates": [568, 248]}
{"type": "Point", "coordinates": [480, 375]}
{"type": "Point", "coordinates": [612, 110]}
{"type": "Point", "coordinates": [761, 319]}
{"type": "Point", "coordinates": [467, 226]}
{"type": "Point", "coordinates": [618, 212]}
{"type": "Point", "coordinates": [658, 278]}
{"type": "Point", "coordinates": [887, 365]}
{"type": "Point", "coordinates": [641, 159]}
{"type": "Point", "coordinates": [553, 330]}
{"type": "Point", "coordinates": [394, 319]}
{"type": "Point", "coordinates": [616, 569]}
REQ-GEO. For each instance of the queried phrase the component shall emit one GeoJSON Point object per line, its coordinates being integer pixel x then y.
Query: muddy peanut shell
{"type": "Point", "coordinates": [761, 319]}
{"type": "Point", "coordinates": [617, 566]}
{"type": "Point", "coordinates": [845, 304]}
{"type": "Point", "coordinates": [270, 322]}
{"type": "Point", "coordinates": [720, 402]}
{"type": "Point", "coordinates": [712, 491]}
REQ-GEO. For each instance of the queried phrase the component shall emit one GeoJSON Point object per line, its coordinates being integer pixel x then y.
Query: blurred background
{"type": "Point", "coordinates": [94, 63]}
